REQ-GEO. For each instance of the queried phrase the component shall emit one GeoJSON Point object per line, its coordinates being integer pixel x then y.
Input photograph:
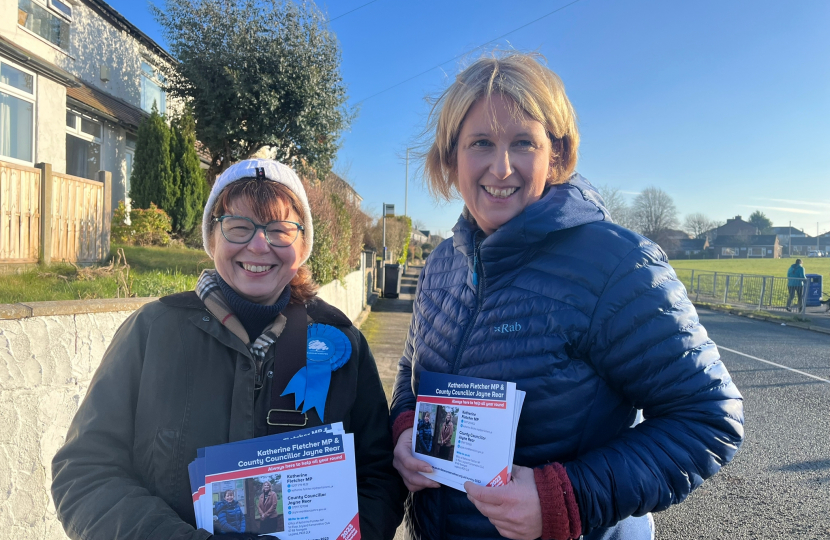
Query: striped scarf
{"type": "Point", "coordinates": [211, 294]}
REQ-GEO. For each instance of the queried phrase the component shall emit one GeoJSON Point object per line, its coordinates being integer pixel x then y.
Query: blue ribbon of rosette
{"type": "Point", "coordinates": [327, 350]}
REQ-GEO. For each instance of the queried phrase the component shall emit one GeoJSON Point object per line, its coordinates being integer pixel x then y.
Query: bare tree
{"type": "Point", "coordinates": [654, 214]}
{"type": "Point", "coordinates": [698, 225]}
{"type": "Point", "coordinates": [616, 205]}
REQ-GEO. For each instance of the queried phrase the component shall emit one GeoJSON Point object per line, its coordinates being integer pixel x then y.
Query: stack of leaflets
{"type": "Point", "coordinates": [466, 429]}
{"type": "Point", "coordinates": [300, 484]}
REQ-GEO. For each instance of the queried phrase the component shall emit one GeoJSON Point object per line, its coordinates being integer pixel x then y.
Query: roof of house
{"type": "Point", "coordinates": [36, 63]}
{"type": "Point", "coordinates": [691, 244]}
{"type": "Point", "coordinates": [804, 240]}
{"type": "Point", "coordinates": [103, 104]}
{"type": "Point", "coordinates": [116, 19]}
{"type": "Point", "coordinates": [676, 234]}
{"type": "Point", "coordinates": [343, 184]}
{"type": "Point", "coordinates": [786, 230]}
{"type": "Point", "coordinates": [737, 240]}
{"type": "Point", "coordinates": [735, 225]}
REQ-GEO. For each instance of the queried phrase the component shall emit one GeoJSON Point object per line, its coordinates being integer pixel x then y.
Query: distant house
{"type": "Point", "coordinates": [77, 80]}
{"type": "Point", "coordinates": [739, 246]}
{"type": "Point", "coordinates": [345, 188]}
{"type": "Point", "coordinates": [734, 226]}
{"type": "Point", "coordinates": [785, 235]}
{"type": "Point", "coordinates": [689, 248]}
{"type": "Point", "coordinates": [418, 236]}
{"type": "Point", "coordinates": [801, 246]}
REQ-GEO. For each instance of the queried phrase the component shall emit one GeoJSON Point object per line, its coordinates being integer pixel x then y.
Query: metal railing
{"type": "Point", "coordinates": [760, 292]}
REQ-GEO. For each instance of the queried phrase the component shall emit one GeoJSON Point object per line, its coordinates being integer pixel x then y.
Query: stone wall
{"type": "Point", "coordinates": [48, 354]}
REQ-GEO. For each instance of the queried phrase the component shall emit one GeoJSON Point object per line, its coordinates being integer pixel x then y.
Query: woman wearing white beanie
{"type": "Point", "coordinates": [226, 362]}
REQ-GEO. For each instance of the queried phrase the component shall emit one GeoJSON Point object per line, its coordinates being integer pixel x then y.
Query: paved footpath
{"type": "Point", "coordinates": [386, 328]}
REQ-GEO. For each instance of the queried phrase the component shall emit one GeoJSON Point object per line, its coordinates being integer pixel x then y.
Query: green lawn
{"type": "Point", "coordinates": [764, 267]}
{"type": "Point", "coordinates": [154, 271]}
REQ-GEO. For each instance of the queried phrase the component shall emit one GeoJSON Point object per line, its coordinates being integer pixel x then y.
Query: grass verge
{"type": "Point", "coordinates": [153, 271]}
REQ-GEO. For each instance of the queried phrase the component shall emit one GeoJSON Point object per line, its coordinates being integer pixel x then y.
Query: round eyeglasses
{"type": "Point", "coordinates": [240, 230]}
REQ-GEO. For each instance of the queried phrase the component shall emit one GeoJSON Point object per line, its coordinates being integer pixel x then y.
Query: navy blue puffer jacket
{"type": "Point", "coordinates": [590, 320]}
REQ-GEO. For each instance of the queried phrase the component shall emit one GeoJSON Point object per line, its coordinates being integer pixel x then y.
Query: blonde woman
{"type": "Point", "coordinates": [539, 286]}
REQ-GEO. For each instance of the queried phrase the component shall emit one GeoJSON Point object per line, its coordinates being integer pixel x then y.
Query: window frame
{"type": "Point", "coordinates": [46, 5]}
{"type": "Point", "coordinates": [156, 78]}
{"type": "Point", "coordinates": [25, 96]}
{"type": "Point", "coordinates": [69, 17]}
{"type": "Point", "coordinates": [77, 133]}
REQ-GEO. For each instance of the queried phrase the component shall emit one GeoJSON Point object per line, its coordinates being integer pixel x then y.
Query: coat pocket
{"type": "Point", "coordinates": [164, 463]}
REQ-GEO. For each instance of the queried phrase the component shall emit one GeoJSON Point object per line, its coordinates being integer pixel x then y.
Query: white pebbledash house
{"type": "Point", "coordinates": [76, 78]}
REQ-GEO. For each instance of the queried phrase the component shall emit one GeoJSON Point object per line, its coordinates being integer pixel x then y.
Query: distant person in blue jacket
{"type": "Point", "coordinates": [540, 287]}
{"type": "Point", "coordinates": [229, 516]}
{"type": "Point", "coordinates": [795, 284]}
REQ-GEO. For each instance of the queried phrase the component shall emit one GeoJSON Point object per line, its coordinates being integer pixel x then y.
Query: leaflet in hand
{"type": "Point", "coordinates": [300, 484]}
{"type": "Point", "coordinates": [466, 428]}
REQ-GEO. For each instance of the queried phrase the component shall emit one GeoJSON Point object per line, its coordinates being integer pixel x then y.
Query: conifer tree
{"type": "Point", "coordinates": [152, 180]}
{"type": "Point", "coordinates": [188, 176]}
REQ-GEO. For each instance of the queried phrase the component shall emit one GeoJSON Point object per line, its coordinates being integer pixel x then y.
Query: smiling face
{"type": "Point", "coordinates": [266, 487]}
{"type": "Point", "coordinates": [256, 271]}
{"type": "Point", "coordinates": [503, 161]}
{"type": "Point", "coordinates": [229, 496]}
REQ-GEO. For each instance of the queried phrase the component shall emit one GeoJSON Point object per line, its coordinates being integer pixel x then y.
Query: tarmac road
{"type": "Point", "coordinates": [778, 485]}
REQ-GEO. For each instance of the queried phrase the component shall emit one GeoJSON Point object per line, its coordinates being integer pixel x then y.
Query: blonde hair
{"type": "Point", "coordinates": [533, 88]}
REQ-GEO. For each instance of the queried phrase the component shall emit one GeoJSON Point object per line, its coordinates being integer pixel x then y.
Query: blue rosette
{"type": "Point", "coordinates": [327, 349]}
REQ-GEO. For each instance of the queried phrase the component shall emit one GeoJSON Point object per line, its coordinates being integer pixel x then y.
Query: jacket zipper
{"type": "Point", "coordinates": [478, 283]}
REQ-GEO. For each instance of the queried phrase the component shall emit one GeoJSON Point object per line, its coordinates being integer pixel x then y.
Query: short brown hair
{"type": "Point", "coordinates": [532, 86]}
{"type": "Point", "coordinates": [273, 202]}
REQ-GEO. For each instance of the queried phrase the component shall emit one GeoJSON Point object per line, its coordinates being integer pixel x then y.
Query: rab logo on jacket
{"type": "Point", "coordinates": [505, 328]}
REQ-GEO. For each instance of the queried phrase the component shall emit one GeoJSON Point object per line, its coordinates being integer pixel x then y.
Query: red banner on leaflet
{"type": "Point", "coordinates": [464, 402]}
{"type": "Point", "coordinates": [352, 530]}
{"type": "Point", "coordinates": [500, 480]}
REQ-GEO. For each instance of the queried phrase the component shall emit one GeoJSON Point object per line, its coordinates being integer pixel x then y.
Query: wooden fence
{"type": "Point", "coordinates": [77, 219]}
{"type": "Point", "coordinates": [19, 213]}
{"type": "Point", "coordinates": [47, 216]}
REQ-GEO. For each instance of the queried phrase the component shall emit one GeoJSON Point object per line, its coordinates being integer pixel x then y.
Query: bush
{"type": "Point", "coordinates": [150, 227]}
{"type": "Point", "coordinates": [152, 179]}
{"type": "Point", "coordinates": [187, 175]}
{"type": "Point", "coordinates": [339, 227]}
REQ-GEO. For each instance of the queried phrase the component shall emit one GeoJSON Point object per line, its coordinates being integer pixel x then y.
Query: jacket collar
{"type": "Point", "coordinates": [562, 207]}
{"type": "Point", "coordinates": [318, 311]}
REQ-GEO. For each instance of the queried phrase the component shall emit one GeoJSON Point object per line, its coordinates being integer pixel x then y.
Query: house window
{"type": "Point", "coordinates": [50, 25]}
{"type": "Point", "coordinates": [151, 88]}
{"type": "Point", "coordinates": [17, 108]}
{"type": "Point", "coordinates": [756, 252]}
{"type": "Point", "coordinates": [729, 252]}
{"type": "Point", "coordinates": [62, 8]}
{"type": "Point", "coordinates": [83, 146]}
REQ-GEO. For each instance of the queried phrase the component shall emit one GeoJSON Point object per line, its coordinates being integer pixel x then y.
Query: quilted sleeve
{"type": "Point", "coordinates": [646, 342]}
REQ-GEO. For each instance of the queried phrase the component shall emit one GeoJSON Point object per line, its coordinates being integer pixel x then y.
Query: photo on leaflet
{"type": "Point", "coordinates": [446, 427]}
{"type": "Point", "coordinates": [425, 428]}
{"type": "Point", "coordinates": [248, 505]}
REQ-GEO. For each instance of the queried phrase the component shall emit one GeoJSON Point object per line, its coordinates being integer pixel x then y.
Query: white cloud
{"type": "Point", "coordinates": [791, 201]}
{"type": "Point", "coordinates": [784, 209]}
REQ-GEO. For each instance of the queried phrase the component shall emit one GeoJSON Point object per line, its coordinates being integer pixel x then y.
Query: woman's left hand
{"type": "Point", "coordinates": [514, 508]}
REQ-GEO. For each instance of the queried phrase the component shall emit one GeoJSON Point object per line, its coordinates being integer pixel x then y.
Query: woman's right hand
{"type": "Point", "coordinates": [408, 466]}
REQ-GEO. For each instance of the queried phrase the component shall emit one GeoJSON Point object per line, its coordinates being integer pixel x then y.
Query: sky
{"type": "Point", "coordinates": [723, 105]}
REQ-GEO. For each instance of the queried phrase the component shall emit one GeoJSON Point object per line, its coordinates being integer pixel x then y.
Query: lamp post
{"type": "Point", "coordinates": [406, 185]}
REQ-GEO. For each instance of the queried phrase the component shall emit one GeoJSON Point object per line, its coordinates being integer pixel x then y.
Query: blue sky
{"type": "Point", "coordinates": [724, 105]}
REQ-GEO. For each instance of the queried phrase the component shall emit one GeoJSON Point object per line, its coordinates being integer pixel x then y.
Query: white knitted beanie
{"type": "Point", "coordinates": [272, 170]}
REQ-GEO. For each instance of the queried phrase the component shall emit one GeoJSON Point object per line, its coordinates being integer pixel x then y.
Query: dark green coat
{"type": "Point", "coordinates": [174, 379]}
